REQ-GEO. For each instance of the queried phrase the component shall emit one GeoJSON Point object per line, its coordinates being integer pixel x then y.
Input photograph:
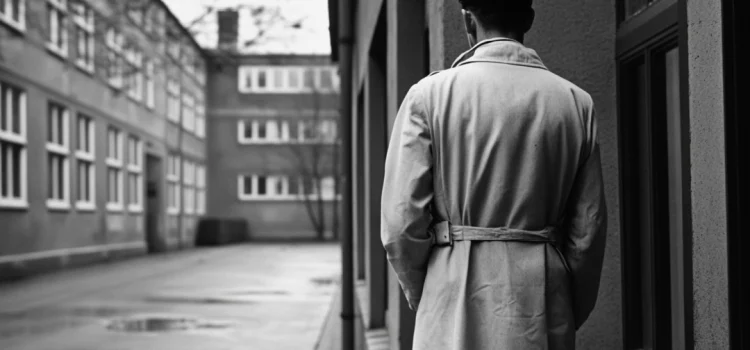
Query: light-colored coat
{"type": "Point", "coordinates": [496, 141]}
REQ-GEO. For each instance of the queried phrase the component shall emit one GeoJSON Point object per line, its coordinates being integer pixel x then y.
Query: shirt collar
{"type": "Point", "coordinates": [500, 50]}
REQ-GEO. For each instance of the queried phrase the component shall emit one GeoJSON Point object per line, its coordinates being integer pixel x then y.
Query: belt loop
{"type": "Point", "coordinates": [443, 236]}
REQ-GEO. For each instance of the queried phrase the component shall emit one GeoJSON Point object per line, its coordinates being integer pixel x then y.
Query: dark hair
{"type": "Point", "coordinates": [506, 15]}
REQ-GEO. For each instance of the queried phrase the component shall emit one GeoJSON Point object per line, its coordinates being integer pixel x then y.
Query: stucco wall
{"type": "Point", "coordinates": [582, 50]}
{"type": "Point", "coordinates": [708, 178]}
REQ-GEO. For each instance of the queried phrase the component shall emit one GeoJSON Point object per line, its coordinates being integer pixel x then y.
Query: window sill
{"type": "Point", "coordinates": [55, 204]}
{"type": "Point", "coordinates": [21, 204]}
{"type": "Point", "coordinates": [115, 207]}
{"type": "Point", "coordinates": [60, 52]}
{"type": "Point", "coordinates": [85, 206]}
{"type": "Point", "coordinates": [86, 68]}
{"type": "Point", "coordinates": [18, 27]}
{"type": "Point", "coordinates": [136, 209]}
{"type": "Point", "coordinates": [173, 211]}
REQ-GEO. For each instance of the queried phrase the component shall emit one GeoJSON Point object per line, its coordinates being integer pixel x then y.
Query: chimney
{"type": "Point", "coordinates": [228, 29]}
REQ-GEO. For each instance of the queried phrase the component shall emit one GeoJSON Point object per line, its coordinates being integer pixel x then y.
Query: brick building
{"type": "Point", "coordinates": [102, 132]}
{"type": "Point", "coordinates": [665, 77]}
{"type": "Point", "coordinates": [272, 133]}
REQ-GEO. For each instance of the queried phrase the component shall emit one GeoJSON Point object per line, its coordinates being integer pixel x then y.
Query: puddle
{"type": "Point", "coordinates": [162, 324]}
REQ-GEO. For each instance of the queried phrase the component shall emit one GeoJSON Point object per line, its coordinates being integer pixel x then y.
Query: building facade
{"type": "Point", "coordinates": [273, 140]}
{"type": "Point", "coordinates": [664, 76]}
{"type": "Point", "coordinates": [102, 132]}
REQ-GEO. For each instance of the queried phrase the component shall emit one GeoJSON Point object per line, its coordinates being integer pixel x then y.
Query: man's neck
{"type": "Point", "coordinates": [483, 34]}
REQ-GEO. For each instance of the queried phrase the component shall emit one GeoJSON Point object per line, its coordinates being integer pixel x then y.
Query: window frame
{"type": "Point", "coordinates": [188, 112]}
{"type": "Point", "coordinates": [7, 18]}
{"type": "Point", "coordinates": [135, 169]}
{"type": "Point", "coordinates": [57, 9]}
{"type": "Point", "coordinates": [174, 188]}
{"type": "Point", "coordinates": [19, 139]}
{"type": "Point", "coordinates": [116, 163]}
{"type": "Point", "coordinates": [89, 158]}
{"type": "Point", "coordinates": [84, 23]}
{"type": "Point", "coordinates": [61, 150]}
{"type": "Point", "coordinates": [115, 43]}
{"type": "Point", "coordinates": [174, 101]}
{"type": "Point", "coordinates": [248, 78]}
{"type": "Point", "coordinates": [200, 190]}
{"type": "Point", "coordinates": [134, 76]}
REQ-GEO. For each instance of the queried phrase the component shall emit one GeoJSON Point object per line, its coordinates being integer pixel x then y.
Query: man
{"type": "Point", "coordinates": [493, 212]}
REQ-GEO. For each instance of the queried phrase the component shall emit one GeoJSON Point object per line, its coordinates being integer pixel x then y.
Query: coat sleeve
{"type": "Point", "coordinates": [407, 197]}
{"type": "Point", "coordinates": [586, 224]}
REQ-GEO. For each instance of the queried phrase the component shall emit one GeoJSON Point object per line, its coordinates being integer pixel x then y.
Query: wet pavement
{"type": "Point", "coordinates": [259, 296]}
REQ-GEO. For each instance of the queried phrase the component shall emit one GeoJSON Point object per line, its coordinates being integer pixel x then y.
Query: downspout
{"type": "Point", "coordinates": [345, 42]}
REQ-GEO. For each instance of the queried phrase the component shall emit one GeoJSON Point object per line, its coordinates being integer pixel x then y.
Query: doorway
{"type": "Point", "coordinates": [654, 156]}
{"type": "Point", "coordinates": [154, 204]}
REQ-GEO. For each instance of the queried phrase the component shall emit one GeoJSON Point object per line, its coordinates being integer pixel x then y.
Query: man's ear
{"type": "Point", "coordinates": [471, 27]}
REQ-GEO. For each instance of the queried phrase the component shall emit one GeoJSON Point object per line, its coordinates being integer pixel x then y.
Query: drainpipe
{"type": "Point", "coordinates": [345, 42]}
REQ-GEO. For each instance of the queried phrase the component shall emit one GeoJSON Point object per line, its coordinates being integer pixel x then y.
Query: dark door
{"type": "Point", "coordinates": [654, 189]}
{"type": "Point", "coordinates": [736, 27]}
{"type": "Point", "coordinates": [154, 205]}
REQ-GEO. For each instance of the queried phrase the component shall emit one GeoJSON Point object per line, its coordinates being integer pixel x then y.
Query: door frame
{"type": "Point", "coordinates": [658, 27]}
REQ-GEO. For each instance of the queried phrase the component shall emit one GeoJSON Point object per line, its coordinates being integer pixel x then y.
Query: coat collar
{"type": "Point", "coordinates": [500, 50]}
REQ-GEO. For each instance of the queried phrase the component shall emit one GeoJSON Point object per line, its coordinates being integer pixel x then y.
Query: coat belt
{"type": "Point", "coordinates": [445, 234]}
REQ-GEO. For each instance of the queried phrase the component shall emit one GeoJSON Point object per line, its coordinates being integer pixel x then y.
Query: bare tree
{"type": "Point", "coordinates": [316, 159]}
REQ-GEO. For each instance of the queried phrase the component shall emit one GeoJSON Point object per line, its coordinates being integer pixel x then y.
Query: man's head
{"type": "Point", "coordinates": [489, 18]}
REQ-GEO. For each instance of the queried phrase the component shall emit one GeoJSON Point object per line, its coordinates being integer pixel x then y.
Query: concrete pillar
{"type": "Point", "coordinates": [447, 34]}
{"type": "Point", "coordinates": [708, 175]}
{"type": "Point", "coordinates": [374, 168]}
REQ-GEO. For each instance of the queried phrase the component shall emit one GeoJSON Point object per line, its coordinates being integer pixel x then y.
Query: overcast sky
{"type": "Point", "coordinates": [311, 37]}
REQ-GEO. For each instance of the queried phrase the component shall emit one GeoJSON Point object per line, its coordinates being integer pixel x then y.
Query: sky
{"type": "Point", "coordinates": [311, 37]}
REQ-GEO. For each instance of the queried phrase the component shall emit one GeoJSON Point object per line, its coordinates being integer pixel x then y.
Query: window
{"type": "Point", "coordinates": [134, 57]}
{"type": "Point", "coordinates": [135, 174]}
{"type": "Point", "coordinates": [115, 186]}
{"type": "Point", "coordinates": [150, 91]}
{"type": "Point", "coordinates": [200, 120]}
{"type": "Point", "coordinates": [173, 184]}
{"type": "Point", "coordinates": [253, 187]}
{"type": "Point", "coordinates": [174, 44]}
{"type": "Point", "coordinates": [258, 131]}
{"type": "Point", "coordinates": [324, 131]}
{"type": "Point", "coordinates": [13, 180]}
{"type": "Point", "coordinates": [309, 78]}
{"type": "Point", "coordinates": [325, 186]}
{"type": "Point", "coordinates": [58, 168]}
{"type": "Point", "coordinates": [58, 33]}
{"type": "Point", "coordinates": [83, 19]}
{"type": "Point", "coordinates": [115, 41]}
{"type": "Point", "coordinates": [13, 13]}
{"type": "Point", "coordinates": [188, 58]}
{"type": "Point", "coordinates": [286, 79]}
{"type": "Point", "coordinates": [85, 158]}
{"type": "Point", "coordinates": [173, 100]}
{"type": "Point", "coordinates": [188, 112]}
{"type": "Point", "coordinates": [630, 8]}
{"type": "Point", "coordinates": [200, 190]}
{"type": "Point", "coordinates": [188, 180]}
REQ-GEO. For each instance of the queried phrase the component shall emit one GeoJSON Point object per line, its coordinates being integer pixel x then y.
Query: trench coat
{"type": "Point", "coordinates": [497, 140]}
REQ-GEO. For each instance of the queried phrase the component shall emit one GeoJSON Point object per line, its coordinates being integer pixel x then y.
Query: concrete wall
{"type": "Point", "coordinates": [708, 176]}
{"type": "Point", "coordinates": [582, 50]}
